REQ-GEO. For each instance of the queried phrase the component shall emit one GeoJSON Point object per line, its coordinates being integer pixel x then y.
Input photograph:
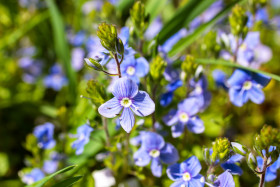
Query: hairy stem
{"type": "Point", "coordinates": [111, 74]}
{"type": "Point", "coordinates": [118, 64]}
{"type": "Point", "coordinates": [262, 177]}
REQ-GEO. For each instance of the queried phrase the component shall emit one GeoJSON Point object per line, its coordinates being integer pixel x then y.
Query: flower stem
{"type": "Point", "coordinates": [105, 124]}
{"type": "Point", "coordinates": [262, 177]}
{"type": "Point", "coordinates": [118, 64]}
{"type": "Point", "coordinates": [153, 114]}
{"type": "Point", "coordinates": [110, 73]}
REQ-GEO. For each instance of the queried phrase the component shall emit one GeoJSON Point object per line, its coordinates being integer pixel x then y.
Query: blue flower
{"type": "Point", "coordinates": [83, 134]}
{"type": "Point", "coordinates": [185, 116]}
{"type": "Point", "coordinates": [135, 68]}
{"type": "Point", "coordinates": [167, 97]}
{"type": "Point", "coordinates": [78, 39]}
{"type": "Point", "coordinates": [35, 175]}
{"type": "Point", "coordinates": [245, 85]}
{"type": "Point", "coordinates": [50, 166]}
{"type": "Point", "coordinates": [77, 58]}
{"type": "Point", "coordinates": [170, 42]}
{"type": "Point", "coordinates": [154, 149]}
{"type": "Point", "coordinates": [129, 100]}
{"type": "Point", "coordinates": [153, 29]}
{"type": "Point", "coordinates": [56, 79]}
{"type": "Point", "coordinates": [44, 135]}
{"type": "Point", "coordinates": [261, 15]}
{"type": "Point", "coordinates": [224, 180]}
{"type": "Point", "coordinates": [220, 78]}
{"type": "Point", "coordinates": [124, 36]}
{"type": "Point", "coordinates": [271, 171]}
{"type": "Point", "coordinates": [32, 69]}
{"type": "Point", "coordinates": [230, 165]}
{"type": "Point", "coordinates": [186, 173]}
{"type": "Point", "coordinates": [200, 92]}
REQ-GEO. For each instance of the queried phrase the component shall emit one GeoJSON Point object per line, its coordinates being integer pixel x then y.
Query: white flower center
{"type": "Point", "coordinates": [243, 46]}
{"type": "Point", "coordinates": [126, 102]}
{"type": "Point", "coordinates": [130, 70]}
{"type": "Point", "coordinates": [184, 117]}
{"type": "Point", "coordinates": [198, 90]}
{"type": "Point", "coordinates": [247, 85]}
{"type": "Point", "coordinates": [154, 153]}
{"type": "Point", "coordinates": [186, 176]}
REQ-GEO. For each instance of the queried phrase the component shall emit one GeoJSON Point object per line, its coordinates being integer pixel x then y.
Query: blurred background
{"type": "Point", "coordinates": [42, 47]}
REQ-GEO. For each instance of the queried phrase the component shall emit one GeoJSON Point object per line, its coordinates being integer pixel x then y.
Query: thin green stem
{"type": "Point", "coordinates": [111, 74]}
{"type": "Point", "coordinates": [107, 135]}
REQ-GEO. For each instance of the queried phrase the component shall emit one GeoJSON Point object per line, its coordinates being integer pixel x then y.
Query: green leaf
{"type": "Point", "coordinates": [21, 31]}
{"type": "Point", "coordinates": [124, 5]}
{"type": "Point", "coordinates": [46, 179]}
{"type": "Point", "coordinates": [153, 7]}
{"type": "Point", "coordinates": [68, 182]}
{"type": "Point", "coordinates": [62, 48]}
{"type": "Point", "coordinates": [188, 40]}
{"type": "Point", "coordinates": [235, 65]}
{"type": "Point", "coordinates": [183, 17]}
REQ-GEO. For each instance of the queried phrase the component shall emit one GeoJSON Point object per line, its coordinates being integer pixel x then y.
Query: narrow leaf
{"type": "Point", "coordinates": [153, 7]}
{"type": "Point", "coordinates": [68, 182]}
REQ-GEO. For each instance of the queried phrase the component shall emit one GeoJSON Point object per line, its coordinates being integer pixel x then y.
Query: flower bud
{"type": "Point", "coordinates": [238, 148]}
{"type": "Point", "coordinates": [188, 66]}
{"type": "Point", "coordinates": [92, 63]}
{"type": "Point", "coordinates": [96, 92]}
{"type": "Point", "coordinates": [251, 161]}
{"type": "Point", "coordinates": [139, 19]}
{"type": "Point", "coordinates": [119, 46]}
{"type": "Point", "coordinates": [108, 36]}
{"type": "Point", "coordinates": [238, 20]}
{"type": "Point", "coordinates": [157, 68]}
{"type": "Point", "coordinates": [221, 150]}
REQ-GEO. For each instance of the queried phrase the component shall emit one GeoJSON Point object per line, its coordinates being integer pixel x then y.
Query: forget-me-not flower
{"type": "Point", "coordinates": [77, 58]}
{"type": "Point", "coordinates": [153, 149]}
{"type": "Point", "coordinates": [245, 85]}
{"type": "Point", "coordinates": [186, 173]}
{"type": "Point", "coordinates": [83, 134]}
{"type": "Point", "coordinates": [128, 100]}
{"type": "Point", "coordinates": [44, 135]}
{"type": "Point", "coordinates": [231, 165]}
{"type": "Point", "coordinates": [220, 78]}
{"type": "Point", "coordinates": [224, 180]}
{"type": "Point", "coordinates": [56, 79]}
{"type": "Point", "coordinates": [167, 97]}
{"type": "Point", "coordinates": [32, 69]}
{"type": "Point", "coordinates": [35, 175]}
{"type": "Point", "coordinates": [185, 116]}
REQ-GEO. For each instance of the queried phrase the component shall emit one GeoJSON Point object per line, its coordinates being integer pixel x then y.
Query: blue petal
{"type": "Point", "coordinates": [261, 79]}
{"type": "Point", "coordinates": [125, 88]}
{"type": "Point", "coordinates": [256, 95]}
{"type": "Point", "coordinates": [141, 157]}
{"type": "Point", "coordinates": [174, 172]}
{"type": "Point", "coordinates": [111, 108]}
{"type": "Point", "coordinates": [235, 96]}
{"type": "Point", "coordinates": [179, 183]}
{"type": "Point", "coordinates": [127, 119]}
{"type": "Point", "coordinates": [197, 181]}
{"type": "Point", "coordinates": [142, 67]}
{"type": "Point", "coordinates": [234, 169]}
{"type": "Point", "coordinates": [143, 105]}
{"type": "Point", "coordinates": [236, 157]}
{"type": "Point", "coordinates": [260, 162]}
{"type": "Point", "coordinates": [156, 167]}
{"type": "Point", "coordinates": [225, 180]}
{"type": "Point", "coordinates": [191, 165]}
{"type": "Point", "coordinates": [189, 105]}
{"type": "Point", "coordinates": [174, 85]}
{"type": "Point", "coordinates": [177, 130]}
{"type": "Point", "coordinates": [270, 176]}
{"type": "Point", "coordinates": [238, 78]}
{"type": "Point", "coordinates": [171, 118]}
{"type": "Point", "coordinates": [195, 125]}
{"type": "Point", "coordinates": [151, 140]}
{"type": "Point", "coordinates": [50, 166]}
{"type": "Point", "coordinates": [169, 154]}
{"type": "Point", "coordinates": [166, 98]}
{"type": "Point", "coordinates": [124, 35]}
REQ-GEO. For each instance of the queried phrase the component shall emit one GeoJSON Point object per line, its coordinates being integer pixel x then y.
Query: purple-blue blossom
{"type": "Point", "coordinates": [271, 171]}
{"type": "Point", "coordinates": [186, 173]}
{"type": "Point", "coordinates": [44, 135]}
{"type": "Point", "coordinates": [32, 69]}
{"type": "Point", "coordinates": [155, 150]}
{"type": "Point", "coordinates": [261, 15]}
{"type": "Point", "coordinates": [185, 116]}
{"type": "Point", "coordinates": [83, 135]}
{"type": "Point", "coordinates": [167, 97]}
{"type": "Point", "coordinates": [35, 175]}
{"type": "Point", "coordinates": [126, 101]}
{"type": "Point", "coordinates": [220, 78]}
{"type": "Point", "coordinates": [56, 79]}
{"type": "Point", "coordinates": [244, 86]}
{"type": "Point", "coordinates": [224, 180]}
{"type": "Point", "coordinates": [231, 165]}
{"type": "Point", "coordinates": [77, 58]}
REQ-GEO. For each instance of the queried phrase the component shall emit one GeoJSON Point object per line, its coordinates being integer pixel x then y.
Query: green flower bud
{"type": "Point", "coordinates": [221, 150]}
{"type": "Point", "coordinates": [119, 46]}
{"type": "Point", "coordinates": [108, 36]}
{"type": "Point", "coordinates": [239, 149]}
{"type": "Point", "coordinates": [188, 66]}
{"type": "Point", "coordinates": [91, 63]}
{"type": "Point", "coordinates": [138, 18]}
{"type": "Point", "coordinates": [108, 11]}
{"type": "Point", "coordinates": [96, 92]}
{"type": "Point", "coordinates": [157, 68]}
{"type": "Point", "coordinates": [238, 20]}
{"type": "Point", "coordinates": [251, 161]}
{"type": "Point", "coordinates": [210, 45]}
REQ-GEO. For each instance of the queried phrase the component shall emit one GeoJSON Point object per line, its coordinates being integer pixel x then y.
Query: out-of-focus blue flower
{"type": "Point", "coordinates": [35, 175]}
{"type": "Point", "coordinates": [230, 164]}
{"type": "Point", "coordinates": [271, 171]}
{"type": "Point", "coordinates": [200, 92]}
{"type": "Point", "coordinates": [153, 29]}
{"type": "Point", "coordinates": [44, 135]}
{"type": "Point", "coordinates": [124, 36]}
{"type": "Point", "coordinates": [220, 78]}
{"type": "Point", "coordinates": [224, 180]}
{"type": "Point", "coordinates": [245, 85]}
{"type": "Point", "coordinates": [77, 39]}
{"type": "Point", "coordinates": [275, 4]}
{"type": "Point", "coordinates": [261, 15]}
{"type": "Point", "coordinates": [77, 60]}
{"type": "Point", "coordinates": [154, 149]}
{"type": "Point", "coordinates": [129, 100]}
{"type": "Point", "coordinates": [32, 69]}
{"type": "Point", "coordinates": [186, 173]}
{"type": "Point", "coordinates": [50, 166]}
{"type": "Point", "coordinates": [56, 79]}
{"type": "Point", "coordinates": [135, 68]}
{"type": "Point", "coordinates": [167, 97]}
{"type": "Point", "coordinates": [31, 4]}
{"type": "Point", "coordinates": [83, 134]}
{"type": "Point", "coordinates": [185, 116]}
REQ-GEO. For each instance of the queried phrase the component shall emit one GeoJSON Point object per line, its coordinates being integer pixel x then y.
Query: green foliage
{"type": "Point", "coordinates": [221, 150]}
{"type": "Point", "coordinates": [96, 92]}
{"type": "Point", "coordinates": [188, 66]}
{"type": "Point", "coordinates": [238, 20]}
{"type": "Point", "coordinates": [157, 68]}
{"type": "Point", "coordinates": [108, 36]}
{"type": "Point", "coordinates": [210, 46]}
{"type": "Point", "coordinates": [139, 18]}
{"type": "Point", "coordinates": [68, 182]}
